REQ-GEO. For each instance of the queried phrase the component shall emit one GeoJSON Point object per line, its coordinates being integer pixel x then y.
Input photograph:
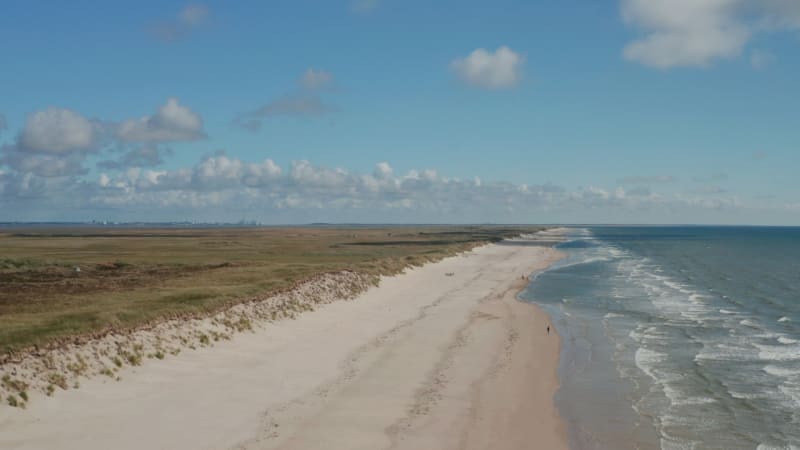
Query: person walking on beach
{"type": "Point", "coordinates": [548, 329]}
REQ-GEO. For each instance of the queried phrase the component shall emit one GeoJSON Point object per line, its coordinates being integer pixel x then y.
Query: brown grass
{"type": "Point", "coordinates": [132, 277]}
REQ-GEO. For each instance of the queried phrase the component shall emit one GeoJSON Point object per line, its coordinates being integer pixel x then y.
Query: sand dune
{"type": "Point", "coordinates": [425, 360]}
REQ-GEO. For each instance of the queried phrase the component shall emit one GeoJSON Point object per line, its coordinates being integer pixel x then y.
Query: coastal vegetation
{"type": "Point", "coordinates": [63, 284]}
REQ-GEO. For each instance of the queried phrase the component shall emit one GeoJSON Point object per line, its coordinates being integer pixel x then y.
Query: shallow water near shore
{"type": "Point", "coordinates": [677, 337]}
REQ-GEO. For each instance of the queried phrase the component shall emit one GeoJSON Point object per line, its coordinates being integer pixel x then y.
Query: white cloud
{"type": "Point", "coordinates": [41, 179]}
{"type": "Point", "coordinates": [172, 122]}
{"type": "Point", "coordinates": [383, 170]}
{"type": "Point", "coordinates": [482, 68]}
{"type": "Point", "coordinates": [684, 32]}
{"type": "Point", "coordinates": [699, 32]}
{"type": "Point", "coordinates": [221, 187]}
{"type": "Point", "coordinates": [53, 143]}
{"type": "Point", "coordinates": [42, 164]}
{"type": "Point", "coordinates": [221, 170]}
{"type": "Point", "coordinates": [221, 180]}
{"type": "Point", "coordinates": [148, 155]}
{"type": "Point", "coordinates": [309, 176]}
{"type": "Point", "coordinates": [188, 19]}
{"type": "Point", "coordinates": [57, 131]}
{"type": "Point", "coordinates": [316, 79]}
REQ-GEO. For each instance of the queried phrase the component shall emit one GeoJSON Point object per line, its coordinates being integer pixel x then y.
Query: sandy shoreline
{"type": "Point", "coordinates": [425, 360]}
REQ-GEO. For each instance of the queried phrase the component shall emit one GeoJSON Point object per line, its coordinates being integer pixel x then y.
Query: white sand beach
{"type": "Point", "coordinates": [426, 360]}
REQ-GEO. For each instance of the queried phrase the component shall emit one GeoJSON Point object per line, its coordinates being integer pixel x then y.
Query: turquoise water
{"type": "Point", "coordinates": [678, 337]}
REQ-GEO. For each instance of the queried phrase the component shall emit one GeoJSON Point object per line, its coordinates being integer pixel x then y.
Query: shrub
{"type": "Point", "coordinates": [58, 380]}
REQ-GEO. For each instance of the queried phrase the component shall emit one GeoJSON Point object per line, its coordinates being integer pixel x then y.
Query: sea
{"type": "Point", "coordinates": [677, 337]}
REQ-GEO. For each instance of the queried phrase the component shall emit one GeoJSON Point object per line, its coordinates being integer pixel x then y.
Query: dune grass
{"type": "Point", "coordinates": [58, 283]}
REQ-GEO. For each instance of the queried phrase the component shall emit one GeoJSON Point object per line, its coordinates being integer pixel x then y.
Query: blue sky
{"type": "Point", "coordinates": [636, 111]}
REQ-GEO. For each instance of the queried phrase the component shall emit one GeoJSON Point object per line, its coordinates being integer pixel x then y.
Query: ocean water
{"type": "Point", "coordinates": [677, 337]}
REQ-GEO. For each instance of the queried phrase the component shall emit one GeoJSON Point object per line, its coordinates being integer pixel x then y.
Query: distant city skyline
{"type": "Point", "coordinates": [382, 111]}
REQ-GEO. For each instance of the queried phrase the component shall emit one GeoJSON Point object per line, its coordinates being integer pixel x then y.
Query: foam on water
{"type": "Point", "coordinates": [778, 352]}
{"type": "Point", "coordinates": [791, 390]}
{"type": "Point", "coordinates": [781, 371]}
{"type": "Point", "coordinates": [583, 262]}
{"type": "Point", "coordinates": [677, 396]}
{"type": "Point", "coordinates": [749, 323]}
{"type": "Point", "coordinates": [646, 361]}
{"type": "Point", "coordinates": [725, 352]}
{"type": "Point", "coordinates": [699, 359]}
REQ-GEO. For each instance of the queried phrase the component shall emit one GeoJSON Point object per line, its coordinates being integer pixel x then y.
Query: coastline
{"type": "Point", "coordinates": [422, 360]}
{"type": "Point", "coordinates": [533, 420]}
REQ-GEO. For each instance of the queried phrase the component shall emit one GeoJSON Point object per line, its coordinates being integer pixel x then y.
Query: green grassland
{"type": "Point", "coordinates": [131, 277]}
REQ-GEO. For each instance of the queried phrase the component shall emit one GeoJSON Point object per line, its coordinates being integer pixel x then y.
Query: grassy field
{"type": "Point", "coordinates": [61, 282]}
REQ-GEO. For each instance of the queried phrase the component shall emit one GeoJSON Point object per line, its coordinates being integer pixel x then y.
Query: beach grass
{"type": "Point", "coordinates": [62, 282]}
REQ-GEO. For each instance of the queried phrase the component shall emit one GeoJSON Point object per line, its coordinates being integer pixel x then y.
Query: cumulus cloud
{"type": "Point", "coordinates": [57, 131]}
{"type": "Point", "coordinates": [224, 188]}
{"type": "Point", "coordinates": [484, 69]}
{"type": "Point", "coordinates": [316, 79]}
{"type": "Point", "coordinates": [684, 32]}
{"type": "Point", "coordinates": [42, 177]}
{"type": "Point", "coordinates": [25, 187]}
{"type": "Point", "coordinates": [383, 170]}
{"type": "Point", "coordinates": [220, 170]}
{"type": "Point", "coordinates": [42, 164]}
{"type": "Point", "coordinates": [188, 19]}
{"type": "Point", "coordinates": [699, 32]}
{"type": "Point", "coordinates": [172, 122]}
{"type": "Point", "coordinates": [148, 155]}
{"type": "Point", "coordinates": [53, 143]}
